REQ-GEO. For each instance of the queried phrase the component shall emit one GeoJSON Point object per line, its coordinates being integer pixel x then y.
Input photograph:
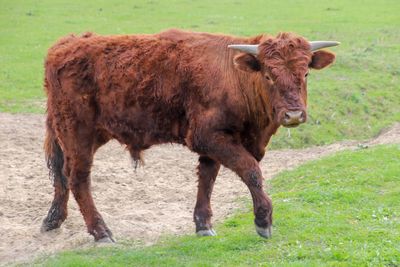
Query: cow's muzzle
{"type": "Point", "coordinates": [293, 118]}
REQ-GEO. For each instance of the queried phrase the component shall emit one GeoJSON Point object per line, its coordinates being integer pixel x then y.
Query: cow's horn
{"type": "Point", "coordinates": [251, 49]}
{"type": "Point", "coordinates": [315, 45]}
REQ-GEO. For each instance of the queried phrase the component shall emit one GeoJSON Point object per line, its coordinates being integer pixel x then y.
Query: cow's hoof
{"type": "Point", "coordinates": [264, 232]}
{"type": "Point", "coordinates": [48, 226]}
{"type": "Point", "coordinates": [106, 240]}
{"type": "Point", "coordinates": [45, 228]}
{"type": "Point", "coordinates": [207, 232]}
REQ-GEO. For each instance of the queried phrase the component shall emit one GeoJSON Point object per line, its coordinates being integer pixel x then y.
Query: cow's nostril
{"type": "Point", "coordinates": [294, 114]}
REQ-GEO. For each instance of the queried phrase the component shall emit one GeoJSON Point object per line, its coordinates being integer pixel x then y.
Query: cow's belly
{"type": "Point", "coordinates": [141, 129]}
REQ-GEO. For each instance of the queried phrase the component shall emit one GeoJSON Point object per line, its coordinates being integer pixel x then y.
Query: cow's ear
{"type": "Point", "coordinates": [321, 59]}
{"type": "Point", "coordinates": [247, 62]}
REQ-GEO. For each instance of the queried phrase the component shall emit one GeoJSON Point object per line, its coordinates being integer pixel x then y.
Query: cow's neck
{"type": "Point", "coordinates": [254, 93]}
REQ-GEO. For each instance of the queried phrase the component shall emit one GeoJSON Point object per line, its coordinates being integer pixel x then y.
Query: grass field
{"type": "Point", "coordinates": [354, 99]}
{"type": "Point", "coordinates": [338, 211]}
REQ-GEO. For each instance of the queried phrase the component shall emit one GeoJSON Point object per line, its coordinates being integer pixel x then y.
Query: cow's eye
{"type": "Point", "coordinates": [267, 77]}
{"type": "Point", "coordinates": [306, 75]}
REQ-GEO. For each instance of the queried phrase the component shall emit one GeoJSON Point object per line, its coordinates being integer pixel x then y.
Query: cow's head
{"type": "Point", "coordinates": [284, 62]}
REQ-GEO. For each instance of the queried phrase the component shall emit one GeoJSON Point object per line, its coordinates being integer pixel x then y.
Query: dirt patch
{"type": "Point", "coordinates": [140, 205]}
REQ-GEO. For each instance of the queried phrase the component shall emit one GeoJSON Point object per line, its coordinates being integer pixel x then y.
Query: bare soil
{"type": "Point", "coordinates": [143, 205]}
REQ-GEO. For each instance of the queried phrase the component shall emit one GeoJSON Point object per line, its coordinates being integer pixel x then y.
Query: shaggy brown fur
{"type": "Point", "coordinates": [175, 86]}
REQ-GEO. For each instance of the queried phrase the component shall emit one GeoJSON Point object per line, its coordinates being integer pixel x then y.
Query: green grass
{"type": "Point", "coordinates": [354, 99]}
{"type": "Point", "coordinates": [339, 211]}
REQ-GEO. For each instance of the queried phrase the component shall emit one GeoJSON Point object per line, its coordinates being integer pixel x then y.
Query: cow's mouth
{"type": "Point", "coordinates": [293, 125]}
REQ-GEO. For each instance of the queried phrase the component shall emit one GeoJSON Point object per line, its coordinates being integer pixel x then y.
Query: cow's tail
{"type": "Point", "coordinates": [54, 157]}
{"type": "Point", "coordinates": [52, 149]}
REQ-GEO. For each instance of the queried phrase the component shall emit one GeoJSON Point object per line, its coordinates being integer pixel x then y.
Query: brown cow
{"type": "Point", "coordinates": [176, 86]}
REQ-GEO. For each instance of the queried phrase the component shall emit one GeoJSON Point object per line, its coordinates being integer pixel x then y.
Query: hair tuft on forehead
{"type": "Point", "coordinates": [285, 54]}
{"type": "Point", "coordinates": [284, 44]}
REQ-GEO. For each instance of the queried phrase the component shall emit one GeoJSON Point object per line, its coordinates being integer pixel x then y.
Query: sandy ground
{"type": "Point", "coordinates": [140, 205]}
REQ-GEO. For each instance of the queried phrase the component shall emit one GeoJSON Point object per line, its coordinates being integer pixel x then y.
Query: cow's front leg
{"type": "Point", "coordinates": [225, 149]}
{"type": "Point", "coordinates": [207, 172]}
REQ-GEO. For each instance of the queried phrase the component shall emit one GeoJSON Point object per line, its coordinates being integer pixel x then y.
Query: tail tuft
{"type": "Point", "coordinates": [54, 158]}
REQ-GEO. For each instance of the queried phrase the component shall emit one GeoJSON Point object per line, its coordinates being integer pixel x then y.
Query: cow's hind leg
{"type": "Point", "coordinates": [79, 142]}
{"type": "Point", "coordinates": [78, 169]}
{"type": "Point", "coordinates": [207, 172]}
